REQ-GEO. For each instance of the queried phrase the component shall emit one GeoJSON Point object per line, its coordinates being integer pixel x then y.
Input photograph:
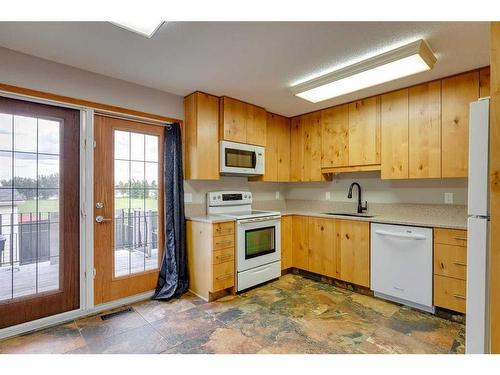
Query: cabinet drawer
{"type": "Point", "coordinates": [450, 261]}
{"type": "Point", "coordinates": [450, 237]}
{"type": "Point", "coordinates": [223, 255]}
{"type": "Point", "coordinates": [222, 276]}
{"type": "Point", "coordinates": [449, 293]}
{"type": "Point", "coordinates": [223, 229]}
{"type": "Point", "coordinates": [223, 242]}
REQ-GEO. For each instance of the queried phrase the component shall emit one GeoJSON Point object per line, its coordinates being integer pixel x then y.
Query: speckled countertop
{"type": "Point", "coordinates": [425, 215]}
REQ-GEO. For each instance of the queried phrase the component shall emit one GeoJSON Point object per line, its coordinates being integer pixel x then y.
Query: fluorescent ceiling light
{"type": "Point", "coordinates": [409, 59]}
{"type": "Point", "coordinates": [143, 27]}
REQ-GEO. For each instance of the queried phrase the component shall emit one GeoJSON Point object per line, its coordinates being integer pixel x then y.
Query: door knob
{"type": "Point", "coordinates": [101, 219]}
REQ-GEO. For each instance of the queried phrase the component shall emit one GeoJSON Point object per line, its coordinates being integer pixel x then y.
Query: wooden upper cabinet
{"type": "Point", "coordinates": [335, 136]}
{"type": "Point", "coordinates": [457, 93]}
{"type": "Point", "coordinates": [242, 122]}
{"type": "Point", "coordinates": [484, 82]}
{"type": "Point", "coordinates": [394, 134]}
{"type": "Point", "coordinates": [425, 130]}
{"type": "Point", "coordinates": [305, 148]}
{"type": "Point", "coordinates": [201, 136]}
{"type": "Point", "coordinates": [364, 132]}
{"type": "Point", "coordinates": [277, 160]}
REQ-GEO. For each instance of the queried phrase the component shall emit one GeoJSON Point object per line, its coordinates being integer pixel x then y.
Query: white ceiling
{"type": "Point", "coordinates": [254, 62]}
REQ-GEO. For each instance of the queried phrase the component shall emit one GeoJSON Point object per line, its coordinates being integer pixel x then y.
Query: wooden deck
{"type": "Point", "coordinates": [21, 280]}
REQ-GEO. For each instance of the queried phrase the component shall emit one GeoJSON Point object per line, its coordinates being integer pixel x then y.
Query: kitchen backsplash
{"type": "Point", "coordinates": [375, 190]}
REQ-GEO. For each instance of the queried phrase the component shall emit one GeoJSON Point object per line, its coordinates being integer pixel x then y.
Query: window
{"type": "Point", "coordinates": [136, 169]}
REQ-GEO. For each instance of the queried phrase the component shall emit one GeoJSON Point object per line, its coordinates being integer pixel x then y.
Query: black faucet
{"type": "Point", "coordinates": [361, 208]}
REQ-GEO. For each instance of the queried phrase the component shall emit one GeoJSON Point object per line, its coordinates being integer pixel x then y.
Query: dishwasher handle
{"type": "Point", "coordinates": [411, 236]}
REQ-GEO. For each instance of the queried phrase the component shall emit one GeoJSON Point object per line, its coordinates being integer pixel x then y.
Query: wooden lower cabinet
{"type": "Point", "coordinates": [332, 247]}
{"type": "Point", "coordinates": [211, 258]}
{"type": "Point", "coordinates": [353, 251]}
{"type": "Point", "coordinates": [286, 242]}
{"type": "Point", "coordinates": [450, 269]}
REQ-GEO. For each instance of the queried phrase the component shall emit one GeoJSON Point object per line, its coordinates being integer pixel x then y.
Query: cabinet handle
{"type": "Point", "coordinates": [459, 296]}
{"type": "Point", "coordinates": [224, 242]}
{"type": "Point", "coordinates": [460, 238]}
{"type": "Point", "coordinates": [223, 277]}
{"type": "Point", "coordinates": [460, 264]}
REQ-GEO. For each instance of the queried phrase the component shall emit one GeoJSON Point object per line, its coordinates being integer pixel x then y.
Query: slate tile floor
{"type": "Point", "coordinates": [290, 315]}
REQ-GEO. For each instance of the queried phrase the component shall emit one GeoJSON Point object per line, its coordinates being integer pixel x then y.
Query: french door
{"type": "Point", "coordinates": [39, 210]}
{"type": "Point", "coordinates": [128, 207]}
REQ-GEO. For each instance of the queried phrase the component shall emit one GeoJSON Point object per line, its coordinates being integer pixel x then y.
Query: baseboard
{"type": "Point", "coordinates": [36, 325]}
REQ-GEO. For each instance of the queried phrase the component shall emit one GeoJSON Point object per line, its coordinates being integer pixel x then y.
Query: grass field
{"type": "Point", "coordinates": [52, 205]}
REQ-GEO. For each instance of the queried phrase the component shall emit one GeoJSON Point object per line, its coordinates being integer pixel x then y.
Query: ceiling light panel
{"type": "Point", "coordinates": [145, 28]}
{"type": "Point", "coordinates": [409, 59]}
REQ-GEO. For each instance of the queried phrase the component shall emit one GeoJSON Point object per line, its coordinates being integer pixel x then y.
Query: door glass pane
{"type": "Point", "coordinates": [136, 204]}
{"type": "Point", "coordinates": [29, 206]}
{"type": "Point", "coordinates": [259, 241]}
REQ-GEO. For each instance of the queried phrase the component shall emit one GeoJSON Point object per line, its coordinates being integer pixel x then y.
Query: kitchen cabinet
{"type": "Point", "coordinates": [286, 242]}
{"type": "Point", "coordinates": [322, 255]}
{"type": "Point", "coordinates": [201, 136]}
{"type": "Point", "coordinates": [353, 251]}
{"type": "Point", "coordinates": [394, 135]}
{"type": "Point", "coordinates": [300, 246]}
{"type": "Point", "coordinates": [450, 269]}
{"type": "Point", "coordinates": [335, 137]}
{"type": "Point", "coordinates": [305, 148]}
{"type": "Point", "coordinates": [242, 122]}
{"type": "Point", "coordinates": [277, 159]}
{"type": "Point", "coordinates": [364, 132]}
{"type": "Point", "coordinates": [457, 92]}
{"type": "Point", "coordinates": [484, 82]}
{"type": "Point", "coordinates": [425, 130]}
{"type": "Point", "coordinates": [211, 258]}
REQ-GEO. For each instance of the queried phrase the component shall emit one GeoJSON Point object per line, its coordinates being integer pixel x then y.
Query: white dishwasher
{"type": "Point", "coordinates": [401, 264]}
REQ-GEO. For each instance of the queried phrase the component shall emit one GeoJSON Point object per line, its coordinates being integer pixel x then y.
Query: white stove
{"type": "Point", "coordinates": [258, 236]}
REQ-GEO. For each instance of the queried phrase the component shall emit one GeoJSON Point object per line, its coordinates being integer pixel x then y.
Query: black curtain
{"type": "Point", "coordinates": [173, 280]}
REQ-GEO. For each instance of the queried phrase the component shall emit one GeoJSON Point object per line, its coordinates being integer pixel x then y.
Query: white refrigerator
{"type": "Point", "coordinates": [477, 317]}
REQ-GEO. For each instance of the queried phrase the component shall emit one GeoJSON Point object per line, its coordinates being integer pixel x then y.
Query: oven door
{"type": "Point", "coordinates": [243, 159]}
{"type": "Point", "coordinates": [259, 242]}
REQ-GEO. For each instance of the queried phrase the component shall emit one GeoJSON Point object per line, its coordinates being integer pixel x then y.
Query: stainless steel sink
{"type": "Point", "coordinates": [347, 214]}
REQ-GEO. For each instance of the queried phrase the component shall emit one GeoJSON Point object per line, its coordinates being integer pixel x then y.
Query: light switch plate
{"type": "Point", "coordinates": [448, 198]}
{"type": "Point", "coordinates": [188, 198]}
{"type": "Point", "coordinates": [328, 196]}
{"type": "Point", "coordinates": [277, 195]}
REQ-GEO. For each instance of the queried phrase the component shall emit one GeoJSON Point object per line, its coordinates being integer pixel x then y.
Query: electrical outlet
{"type": "Point", "coordinates": [448, 198]}
{"type": "Point", "coordinates": [328, 196]}
{"type": "Point", "coordinates": [188, 198]}
{"type": "Point", "coordinates": [277, 195]}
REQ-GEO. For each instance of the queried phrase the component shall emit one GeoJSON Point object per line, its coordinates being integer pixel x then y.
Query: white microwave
{"type": "Point", "coordinates": [241, 159]}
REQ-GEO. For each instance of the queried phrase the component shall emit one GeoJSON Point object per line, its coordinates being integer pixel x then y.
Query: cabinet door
{"type": "Point", "coordinates": [353, 251]}
{"type": "Point", "coordinates": [335, 136]}
{"type": "Point", "coordinates": [322, 246]}
{"type": "Point", "coordinates": [286, 242]}
{"type": "Point", "coordinates": [364, 132]}
{"type": "Point", "coordinates": [457, 93]}
{"type": "Point", "coordinates": [255, 125]}
{"type": "Point", "coordinates": [283, 141]}
{"type": "Point", "coordinates": [394, 134]}
{"type": "Point", "coordinates": [312, 151]}
{"type": "Point", "coordinates": [300, 246]}
{"type": "Point", "coordinates": [271, 156]}
{"type": "Point", "coordinates": [201, 136]}
{"type": "Point", "coordinates": [296, 149]}
{"type": "Point", "coordinates": [233, 118]}
{"type": "Point", "coordinates": [425, 130]}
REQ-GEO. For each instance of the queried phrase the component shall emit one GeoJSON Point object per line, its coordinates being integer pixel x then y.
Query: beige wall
{"type": "Point", "coordinates": [27, 71]}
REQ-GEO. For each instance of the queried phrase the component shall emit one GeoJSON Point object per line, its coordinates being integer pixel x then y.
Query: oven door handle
{"type": "Point", "coordinates": [259, 219]}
